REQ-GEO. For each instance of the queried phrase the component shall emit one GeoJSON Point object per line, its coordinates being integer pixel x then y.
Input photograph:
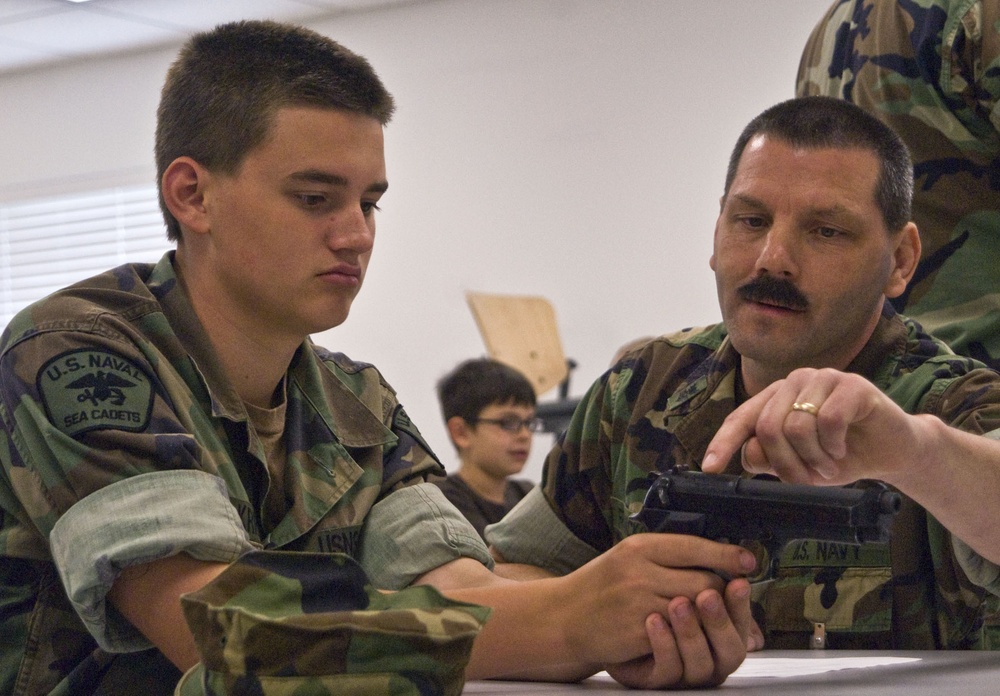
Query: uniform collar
{"type": "Point", "coordinates": [716, 377]}
{"type": "Point", "coordinates": [721, 368]}
{"type": "Point", "coordinates": [351, 422]}
{"type": "Point", "coordinates": [888, 338]}
{"type": "Point", "coordinates": [177, 307]}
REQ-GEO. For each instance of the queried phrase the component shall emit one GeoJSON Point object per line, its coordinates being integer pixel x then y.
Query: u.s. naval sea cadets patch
{"type": "Point", "coordinates": [93, 389]}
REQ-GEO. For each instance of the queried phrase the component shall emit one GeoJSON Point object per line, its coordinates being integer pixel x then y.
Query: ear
{"type": "Point", "coordinates": [459, 431]}
{"type": "Point", "coordinates": [715, 240]}
{"type": "Point", "coordinates": [905, 259]}
{"type": "Point", "coordinates": [183, 188]}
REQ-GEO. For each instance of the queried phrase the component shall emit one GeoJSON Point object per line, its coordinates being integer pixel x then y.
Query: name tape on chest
{"type": "Point", "coordinates": [813, 553]}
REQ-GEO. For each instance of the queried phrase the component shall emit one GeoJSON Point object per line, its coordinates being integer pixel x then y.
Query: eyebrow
{"type": "Point", "coordinates": [317, 176]}
{"type": "Point", "coordinates": [835, 209]}
{"type": "Point", "coordinates": [746, 200]}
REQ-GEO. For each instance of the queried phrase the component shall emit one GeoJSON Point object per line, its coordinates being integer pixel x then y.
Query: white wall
{"type": "Point", "coordinates": [566, 148]}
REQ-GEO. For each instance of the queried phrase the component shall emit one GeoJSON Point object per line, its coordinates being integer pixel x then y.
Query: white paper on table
{"type": "Point", "coordinates": [794, 666]}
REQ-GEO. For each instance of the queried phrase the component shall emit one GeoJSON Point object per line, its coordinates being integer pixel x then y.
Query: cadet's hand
{"type": "Point", "coordinates": [597, 615]}
{"type": "Point", "coordinates": [610, 600]}
{"type": "Point", "coordinates": [820, 427]}
{"type": "Point", "coordinates": [700, 643]}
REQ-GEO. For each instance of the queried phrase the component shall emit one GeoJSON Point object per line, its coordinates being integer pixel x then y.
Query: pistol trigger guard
{"type": "Point", "coordinates": [692, 523]}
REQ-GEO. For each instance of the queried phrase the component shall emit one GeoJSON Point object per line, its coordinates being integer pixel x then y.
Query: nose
{"type": "Point", "coordinates": [778, 253]}
{"type": "Point", "coordinates": [353, 230]}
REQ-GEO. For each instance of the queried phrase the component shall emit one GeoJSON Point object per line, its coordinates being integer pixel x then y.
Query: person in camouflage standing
{"type": "Point", "coordinates": [811, 376]}
{"type": "Point", "coordinates": [190, 486]}
{"type": "Point", "coordinates": [931, 70]}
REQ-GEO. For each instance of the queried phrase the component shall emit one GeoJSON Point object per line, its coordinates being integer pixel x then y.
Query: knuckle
{"type": "Point", "coordinates": [699, 672]}
{"type": "Point", "coordinates": [768, 434]}
{"type": "Point", "coordinates": [629, 544]}
{"type": "Point", "coordinates": [798, 428]}
{"type": "Point", "coordinates": [668, 675]}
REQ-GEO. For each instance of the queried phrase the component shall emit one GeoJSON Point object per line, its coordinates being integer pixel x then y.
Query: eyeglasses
{"type": "Point", "coordinates": [513, 424]}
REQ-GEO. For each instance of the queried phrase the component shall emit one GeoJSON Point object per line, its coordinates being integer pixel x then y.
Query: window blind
{"type": "Point", "coordinates": [48, 244]}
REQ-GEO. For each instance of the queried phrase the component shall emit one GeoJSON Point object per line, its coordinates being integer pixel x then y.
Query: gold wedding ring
{"type": "Point", "coordinates": [807, 407]}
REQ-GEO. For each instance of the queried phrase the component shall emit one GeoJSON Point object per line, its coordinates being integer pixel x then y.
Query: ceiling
{"type": "Point", "coordinates": [34, 33]}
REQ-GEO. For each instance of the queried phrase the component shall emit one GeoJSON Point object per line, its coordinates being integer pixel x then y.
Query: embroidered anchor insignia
{"type": "Point", "coordinates": [101, 386]}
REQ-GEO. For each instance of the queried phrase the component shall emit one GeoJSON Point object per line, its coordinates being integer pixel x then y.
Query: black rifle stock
{"type": "Point", "coordinates": [741, 510]}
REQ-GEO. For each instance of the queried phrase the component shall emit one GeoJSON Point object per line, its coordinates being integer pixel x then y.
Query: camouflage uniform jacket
{"type": "Point", "coordinates": [931, 70]}
{"type": "Point", "coordinates": [661, 405]}
{"type": "Point", "coordinates": [123, 442]}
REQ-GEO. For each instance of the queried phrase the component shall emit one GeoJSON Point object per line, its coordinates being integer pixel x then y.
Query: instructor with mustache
{"type": "Point", "coordinates": [812, 376]}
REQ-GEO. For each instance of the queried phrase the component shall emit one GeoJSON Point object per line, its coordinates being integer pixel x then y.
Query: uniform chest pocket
{"type": "Point", "coordinates": [843, 599]}
{"type": "Point", "coordinates": [831, 588]}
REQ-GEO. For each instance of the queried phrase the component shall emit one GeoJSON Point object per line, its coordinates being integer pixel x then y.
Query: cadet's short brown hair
{"type": "Point", "coordinates": [222, 92]}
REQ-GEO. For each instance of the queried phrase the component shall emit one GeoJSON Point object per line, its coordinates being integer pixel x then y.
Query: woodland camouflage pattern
{"type": "Point", "coordinates": [282, 623]}
{"type": "Point", "coordinates": [112, 378]}
{"type": "Point", "coordinates": [931, 70]}
{"type": "Point", "coordinates": [661, 405]}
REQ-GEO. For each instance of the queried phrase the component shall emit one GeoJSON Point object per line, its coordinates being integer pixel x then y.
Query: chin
{"type": "Point", "coordinates": [767, 350]}
{"type": "Point", "coordinates": [330, 319]}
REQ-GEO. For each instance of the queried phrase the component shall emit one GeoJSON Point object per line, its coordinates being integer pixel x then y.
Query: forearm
{"type": "Point", "coordinates": [148, 595]}
{"type": "Point", "coordinates": [520, 571]}
{"type": "Point", "coordinates": [569, 626]}
{"type": "Point", "coordinates": [524, 637]}
{"type": "Point", "coordinates": [956, 478]}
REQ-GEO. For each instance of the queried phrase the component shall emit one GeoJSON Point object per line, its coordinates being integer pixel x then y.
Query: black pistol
{"type": "Point", "coordinates": [769, 512]}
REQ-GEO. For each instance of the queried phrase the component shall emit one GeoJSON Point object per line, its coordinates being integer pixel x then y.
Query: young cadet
{"type": "Point", "coordinates": [171, 431]}
{"type": "Point", "coordinates": [811, 376]}
{"type": "Point", "coordinates": [489, 411]}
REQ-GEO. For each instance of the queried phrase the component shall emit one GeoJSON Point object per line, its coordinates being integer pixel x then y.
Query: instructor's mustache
{"type": "Point", "coordinates": [774, 291]}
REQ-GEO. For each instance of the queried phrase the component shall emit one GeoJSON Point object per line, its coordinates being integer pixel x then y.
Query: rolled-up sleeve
{"type": "Point", "coordinates": [984, 573]}
{"type": "Point", "coordinates": [139, 520]}
{"type": "Point", "coordinates": [412, 531]}
{"type": "Point", "coordinates": [532, 533]}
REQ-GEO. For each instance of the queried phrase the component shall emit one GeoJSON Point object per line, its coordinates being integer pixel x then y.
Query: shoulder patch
{"type": "Point", "coordinates": [95, 389]}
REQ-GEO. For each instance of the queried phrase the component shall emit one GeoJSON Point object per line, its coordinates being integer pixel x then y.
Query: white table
{"type": "Point", "coordinates": [878, 673]}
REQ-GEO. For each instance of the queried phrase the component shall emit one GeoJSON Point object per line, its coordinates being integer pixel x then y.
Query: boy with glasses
{"type": "Point", "coordinates": [489, 412]}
